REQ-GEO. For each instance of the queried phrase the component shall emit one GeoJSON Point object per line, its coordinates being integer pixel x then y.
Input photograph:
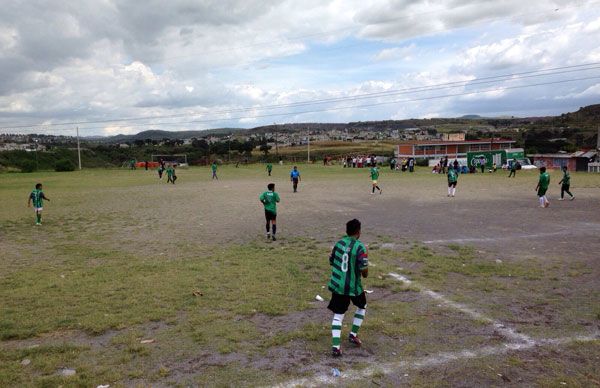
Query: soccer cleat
{"type": "Point", "coordinates": [380, 191]}
{"type": "Point", "coordinates": [561, 199]}
{"type": "Point", "coordinates": [268, 236]}
{"type": "Point", "coordinates": [572, 198]}
{"type": "Point", "coordinates": [274, 239]}
{"type": "Point", "coordinates": [336, 352]}
{"type": "Point", "coordinates": [38, 223]}
{"type": "Point", "coordinates": [354, 340]}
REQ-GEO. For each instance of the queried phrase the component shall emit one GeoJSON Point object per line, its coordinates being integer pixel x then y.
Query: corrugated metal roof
{"type": "Point", "coordinates": [577, 154]}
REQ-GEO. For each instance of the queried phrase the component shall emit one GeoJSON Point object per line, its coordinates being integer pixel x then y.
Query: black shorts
{"type": "Point", "coordinates": [452, 184]}
{"type": "Point", "coordinates": [270, 216]}
{"type": "Point", "coordinates": [339, 303]}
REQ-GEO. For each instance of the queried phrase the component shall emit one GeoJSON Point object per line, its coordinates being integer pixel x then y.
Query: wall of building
{"type": "Point", "coordinates": [556, 163]}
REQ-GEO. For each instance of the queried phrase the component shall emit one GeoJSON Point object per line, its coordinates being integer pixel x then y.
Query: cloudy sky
{"type": "Point", "coordinates": [123, 66]}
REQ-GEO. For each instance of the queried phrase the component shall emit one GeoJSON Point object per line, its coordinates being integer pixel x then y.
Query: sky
{"type": "Point", "coordinates": [111, 67]}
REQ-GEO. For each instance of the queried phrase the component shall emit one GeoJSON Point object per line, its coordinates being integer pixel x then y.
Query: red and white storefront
{"type": "Point", "coordinates": [452, 149]}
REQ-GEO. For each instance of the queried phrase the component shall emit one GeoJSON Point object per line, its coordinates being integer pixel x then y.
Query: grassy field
{"type": "Point", "coordinates": [134, 282]}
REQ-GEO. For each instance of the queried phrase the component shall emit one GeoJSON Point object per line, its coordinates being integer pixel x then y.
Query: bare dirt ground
{"type": "Point", "coordinates": [433, 344]}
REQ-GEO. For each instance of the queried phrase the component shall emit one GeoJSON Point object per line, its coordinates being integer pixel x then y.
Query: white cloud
{"type": "Point", "coordinates": [404, 53]}
{"type": "Point", "coordinates": [94, 60]}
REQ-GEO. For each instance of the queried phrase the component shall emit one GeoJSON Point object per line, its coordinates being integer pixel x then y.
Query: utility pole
{"type": "Point", "coordinates": [78, 149]}
{"type": "Point", "coordinates": [308, 142]}
{"type": "Point", "coordinates": [229, 149]}
{"type": "Point", "coordinates": [276, 141]}
{"type": "Point", "coordinates": [36, 157]}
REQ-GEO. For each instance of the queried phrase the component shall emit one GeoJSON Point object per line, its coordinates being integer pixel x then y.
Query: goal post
{"type": "Point", "coordinates": [177, 159]}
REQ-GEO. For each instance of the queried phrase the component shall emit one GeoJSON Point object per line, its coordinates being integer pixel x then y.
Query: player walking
{"type": "Point", "coordinates": [213, 167]}
{"type": "Point", "coordinates": [295, 178]}
{"type": "Point", "coordinates": [37, 197]}
{"type": "Point", "coordinates": [269, 199]}
{"type": "Point", "coordinates": [542, 187]}
{"type": "Point", "coordinates": [170, 174]}
{"type": "Point", "coordinates": [513, 168]}
{"type": "Point", "coordinates": [565, 184]}
{"type": "Point", "coordinates": [349, 262]}
{"type": "Point", "coordinates": [374, 177]}
{"type": "Point", "coordinates": [269, 168]}
{"type": "Point", "coordinates": [452, 181]}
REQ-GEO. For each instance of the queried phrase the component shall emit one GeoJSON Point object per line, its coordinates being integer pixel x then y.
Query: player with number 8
{"type": "Point", "coordinates": [349, 262]}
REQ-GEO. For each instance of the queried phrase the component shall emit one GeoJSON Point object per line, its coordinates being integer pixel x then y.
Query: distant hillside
{"type": "Point", "coordinates": [578, 128]}
{"type": "Point", "coordinates": [586, 116]}
{"type": "Point", "coordinates": [155, 134]}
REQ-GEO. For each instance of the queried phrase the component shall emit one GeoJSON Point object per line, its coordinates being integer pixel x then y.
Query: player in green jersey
{"type": "Point", "coordinates": [37, 197]}
{"type": "Point", "coordinates": [452, 181]}
{"type": "Point", "coordinates": [565, 184]}
{"type": "Point", "coordinates": [542, 187]}
{"type": "Point", "coordinates": [349, 262]}
{"type": "Point", "coordinates": [269, 168]}
{"type": "Point", "coordinates": [374, 177]}
{"type": "Point", "coordinates": [213, 167]}
{"type": "Point", "coordinates": [171, 174]}
{"type": "Point", "coordinates": [269, 199]}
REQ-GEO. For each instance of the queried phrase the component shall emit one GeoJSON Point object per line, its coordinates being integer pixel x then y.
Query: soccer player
{"type": "Point", "coordinates": [565, 184]}
{"type": "Point", "coordinates": [374, 176]}
{"type": "Point", "coordinates": [269, 168]}
{"type": "Point", "coordinates": [452, 181]}
{"type": "Point", "coordinates": [542, 187]}
{"type": "Point", "coordinates": [349, 262]}
{"type": "Point", "coordinates": [37, 197]}
{"type": "Point", "coordinates": [513, 168]}
{"type": "Point", "coordinates": [295, 178]}
{"type": "Point", "coordinates": [213, 166]}
{"type": "Point", "coordinates": [170, 174]}
{"type": "Point", "coordinates": [269, 199]}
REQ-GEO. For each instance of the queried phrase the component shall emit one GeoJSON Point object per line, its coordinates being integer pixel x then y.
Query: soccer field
{"type": "Point", "coordinates": [131, 281]}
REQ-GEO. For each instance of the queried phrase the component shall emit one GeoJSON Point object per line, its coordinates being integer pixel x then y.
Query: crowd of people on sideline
{"type": "Point", "coordinates": [359, 161]}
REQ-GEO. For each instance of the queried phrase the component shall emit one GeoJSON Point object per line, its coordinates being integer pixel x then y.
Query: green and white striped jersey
{"type": "Point", "coordinates": [348, 258]}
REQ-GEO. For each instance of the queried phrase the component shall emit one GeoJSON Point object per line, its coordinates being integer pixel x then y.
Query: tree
{"type": "Point", "coordinates": [265, 148]}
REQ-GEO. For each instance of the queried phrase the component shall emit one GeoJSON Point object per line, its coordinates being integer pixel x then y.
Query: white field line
{"type": "Point", "coordinates": [505, 331]}
{"type": "Point", "coordinates": [492, 239]}
{"type": "Point", "coordinates": [431, 361]}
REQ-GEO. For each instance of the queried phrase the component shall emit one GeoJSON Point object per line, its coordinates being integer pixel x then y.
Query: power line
{"type": "Point", "coordinates": [362, 105]}
{"type": "Point", "coordinates": [388, 93]}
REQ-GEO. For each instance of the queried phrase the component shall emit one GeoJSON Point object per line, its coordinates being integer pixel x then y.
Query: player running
{"type": "Point", "coordinates": [542, 187]}
{"type": "Point", "coordinates": [269, 168]}
{"type": "Point", "coordinates": [452, 181]}
{"type": "Point", "coordinates": [295, 178]}
{"type": "Point", "coordinates": [348, 262]}
{"type": "Point", "coordinates": [213, 167]}
{"type": "Point", "coordinates": [269, 199]}
{"type": "Point", "coordinates": [565, 184]}
{"type": "Point", "coordinates": [374, 177]}
{"type": "Point", "coordinates": [37, 197]}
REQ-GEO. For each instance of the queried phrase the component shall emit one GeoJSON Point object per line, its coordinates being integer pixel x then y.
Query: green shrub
{"type": "Point", "coordinates": [27, 166]}
{"type": "Point", "coordinates": [64, 165]}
